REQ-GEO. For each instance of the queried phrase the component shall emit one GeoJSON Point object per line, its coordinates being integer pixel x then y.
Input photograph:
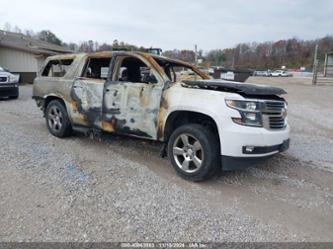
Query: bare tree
{"type": "Point", "coordinates": [7, 27]}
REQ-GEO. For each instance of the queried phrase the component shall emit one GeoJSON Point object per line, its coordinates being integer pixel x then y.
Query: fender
{"type": "Point", "coordinates": [210, 114]}
{"type": "Point", "coordinates": [59, 96]}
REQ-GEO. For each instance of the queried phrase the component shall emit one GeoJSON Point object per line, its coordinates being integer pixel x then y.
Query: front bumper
{"type": "Point", "coordinates": [234, 137]}
{"type": "Point", "coordinates": [8, 89]}
{"type": "Point", "coordinates": [243, 146]}
{"type": "Point", "coordinates": [251, 150]}
{"type": "Point", "coordinates": [230, 163]}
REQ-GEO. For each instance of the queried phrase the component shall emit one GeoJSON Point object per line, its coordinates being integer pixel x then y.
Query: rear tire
{"type": "Point", "coordinates": [57, 120]}
{"type": "Point", "coordinates": [194, 152]}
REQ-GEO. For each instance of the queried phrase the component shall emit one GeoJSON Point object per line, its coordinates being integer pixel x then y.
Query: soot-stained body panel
{"type": "Point", "coordinates": [132, 108]}
{"type": "Point", "coordinates": [87, 96]}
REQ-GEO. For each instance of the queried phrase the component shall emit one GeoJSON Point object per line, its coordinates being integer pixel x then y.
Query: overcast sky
{"type": "Point", "coordinates": [173, 23]}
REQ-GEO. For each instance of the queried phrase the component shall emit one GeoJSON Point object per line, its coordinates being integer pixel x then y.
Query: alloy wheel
{"type": "Point", "coordinates": [188, 153]}
{"type": "Point", "coordinates": [55, 118]}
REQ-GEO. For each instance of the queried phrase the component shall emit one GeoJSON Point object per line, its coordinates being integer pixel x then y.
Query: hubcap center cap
{"type": "Point", "coordinates": [189, 153]}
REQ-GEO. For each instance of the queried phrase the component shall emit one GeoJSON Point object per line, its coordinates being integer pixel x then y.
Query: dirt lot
{"type": "Point", "coordinates": [118, 189]}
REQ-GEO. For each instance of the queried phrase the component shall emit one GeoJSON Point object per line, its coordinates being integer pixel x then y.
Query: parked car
{"type": "Point", "coordinates": [262, 73]}
{"type": "Point", "coordinates": [287, 74]}
{"type": "Point", "coordinates": [281, 73]}
{"type": "Point", "coordinates": [8, 84]}
{"type": "Point", "coordinates": [205, 125]}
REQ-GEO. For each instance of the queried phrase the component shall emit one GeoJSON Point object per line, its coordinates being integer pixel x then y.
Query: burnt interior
{"type": "Point", "coordinates": [97, 68]}
{"type": "Point", "coordinates": [135, 70]}
{"type": "Point", "coordinates": [57, 68]}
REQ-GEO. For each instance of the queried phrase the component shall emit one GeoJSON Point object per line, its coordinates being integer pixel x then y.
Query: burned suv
{"type": "Point", "coordinates": [205, 125]}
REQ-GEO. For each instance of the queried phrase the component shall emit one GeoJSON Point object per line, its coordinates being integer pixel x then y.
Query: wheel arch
{"type": "Point", "coordinates": [65, 129]}
{"type": "Point", "coordinates": [49, 98]}
{"type": "Point", "coordinates": [180, 117]}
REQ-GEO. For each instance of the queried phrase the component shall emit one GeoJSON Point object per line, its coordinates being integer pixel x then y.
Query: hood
{"type": "Point", "coordinates": [235, 87]}
{"type": "Point", "coordinates": [4, 73]}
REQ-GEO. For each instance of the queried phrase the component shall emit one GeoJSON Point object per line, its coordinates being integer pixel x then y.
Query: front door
{"type": "Point", "coordinates": [132, 98]}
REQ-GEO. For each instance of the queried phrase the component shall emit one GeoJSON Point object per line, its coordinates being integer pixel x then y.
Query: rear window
{"type": "Point", "coordinates": [57, 68]}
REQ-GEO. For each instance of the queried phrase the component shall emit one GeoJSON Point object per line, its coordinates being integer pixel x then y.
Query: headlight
{"type": "Point", "coordinates": [13, 78]}
{"type": "Point", "coordinates": [241, 105]}
{"type": "Point", "coordinates": [249, 111]}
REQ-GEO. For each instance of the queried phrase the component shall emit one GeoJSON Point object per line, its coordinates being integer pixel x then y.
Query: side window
{"type": "Point", "coordinates": [57, 68]}
{"type": "Point", "coordinates": [134, 70]}
{"type": "Point", "coordinates": [97, 68]}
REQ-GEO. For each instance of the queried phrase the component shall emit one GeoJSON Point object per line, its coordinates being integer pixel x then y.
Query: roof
{"type": "Point", "coordinates": [110, 53]}
{"type": "Point", "coordinates": [26, 43]}
{"type": "Point", "coordinates": [148, 56]}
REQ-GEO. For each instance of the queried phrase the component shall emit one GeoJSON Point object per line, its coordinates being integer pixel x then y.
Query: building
{"type": "Point", "coordinates": [24, 55]}
{"type": "Point", "coordinates": [328, 66]}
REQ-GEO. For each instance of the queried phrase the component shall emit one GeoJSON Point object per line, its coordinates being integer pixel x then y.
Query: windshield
{"type": "Point", "coordinates": [180, 72]}
{"type": "Point", "coordinates": [1, 69]}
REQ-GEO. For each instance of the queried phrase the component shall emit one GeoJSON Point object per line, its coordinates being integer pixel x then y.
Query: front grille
{"type": "Point", "coordinates": [274, 115]}
{"type": "Point", "coordinates": [276, 122]}
{"type": "Point", "coordinates": [274, 106]}
{"type": "Point", "coordinates": [3, 79]}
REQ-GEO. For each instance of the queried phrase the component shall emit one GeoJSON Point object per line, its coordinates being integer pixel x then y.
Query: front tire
{"type": "Point", "coordinates": [194, 152]}
{"type": "Point", "coordinates": [57, 120]}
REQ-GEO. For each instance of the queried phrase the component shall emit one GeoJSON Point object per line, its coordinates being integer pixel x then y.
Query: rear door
{"type": "Point", "coordinates": [132, 97]}
{"type": "Point", "coordinates": [87, 92]}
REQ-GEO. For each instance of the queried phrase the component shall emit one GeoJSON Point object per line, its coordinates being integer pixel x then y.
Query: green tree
{"type": "Point", "coordinates": [48, 36]}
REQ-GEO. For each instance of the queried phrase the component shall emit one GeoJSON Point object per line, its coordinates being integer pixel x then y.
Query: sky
{"type": "Point", "coordinates": [211, 24]}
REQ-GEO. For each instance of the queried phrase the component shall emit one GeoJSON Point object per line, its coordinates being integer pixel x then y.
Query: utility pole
{"type": "Point", "coordinates": [196, 54]}
{"type": "Point", "coordinates": [238, 50]}
{"type": "Point", "coordinates": [315, 66]}
{"type": "Point", "coordinates": [325, 65]}
{"type": "Point", "coordinates": [233, 60]}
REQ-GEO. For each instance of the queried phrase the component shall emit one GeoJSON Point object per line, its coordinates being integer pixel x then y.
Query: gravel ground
{"type": "Point", "coordinates": [118, 189]}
